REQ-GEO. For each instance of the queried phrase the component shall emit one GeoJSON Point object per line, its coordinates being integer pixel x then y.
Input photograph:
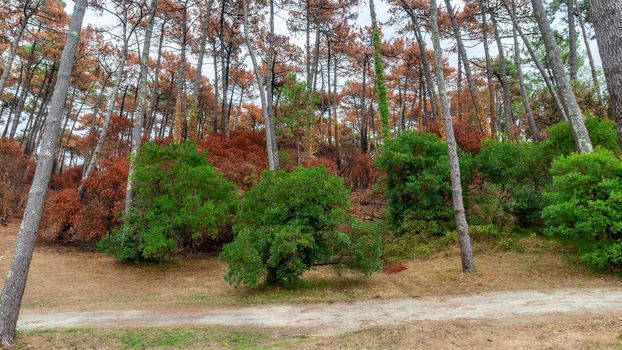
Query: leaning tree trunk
{"type": "Point", "coordinates": [523, 90]}
{"type": "Point", "coordinates": [466, 252]}
{"type": "Point", "coordinates": [608, 27]}
{"type": "Point", "coordinates": [507, 104]}
{"type": "Point", "coordinates": [137, 130]}
{"type": "Point", "coordinates": [572, 40]}
{"type": "Point", "coordinates": [534, 57]}
{"type": "Point", "coordinates": [467, 69]}
{"type": "Point", "coordinates": [112, 98]}
{"type": "Point", "coordinates": [12, 51]}
{"type": "Point", "coordinates": [18, 271]}
{"type": "Point", "coordinates": [579, 132]}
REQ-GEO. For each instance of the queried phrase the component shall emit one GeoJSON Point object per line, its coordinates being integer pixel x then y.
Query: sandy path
{"type": "Point", "coordinates": [337, 318]}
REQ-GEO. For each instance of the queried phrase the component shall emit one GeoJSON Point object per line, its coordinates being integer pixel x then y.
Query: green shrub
{"type": "Point", "coordinates": [418, 184]}
{"type": "Point", "coordinates": [586, 206]}
{"type": "Point", "coordinates": [520, 174]}
{"type": "Point", "coordinates": [602, 133]}
{"type": "Point", "coordinates": [179, 200]}
{"type": "Point", "coordinates": [291, 222]}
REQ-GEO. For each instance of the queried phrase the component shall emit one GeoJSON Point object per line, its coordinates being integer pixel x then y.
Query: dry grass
{"type": "Point", "coordinates": [62, 278]}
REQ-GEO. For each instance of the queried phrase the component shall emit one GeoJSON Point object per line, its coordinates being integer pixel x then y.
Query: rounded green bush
{"type": "Point", "coordinates": [179, 200]}
{"type": "Point", "coordinates": [291, 222]}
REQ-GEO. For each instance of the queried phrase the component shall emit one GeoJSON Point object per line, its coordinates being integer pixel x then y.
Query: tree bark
{"type": "Point", "coordinates": [179, 124]}
{"type": "Point", "coordinates": [492, 103]}
{"type": "Point", "coordinates": [579, 132]}
{"type": "Point", "coordinates": [18, 271]}
{"type": "Point", "coordinates": [505, 84]}
{"type": "Point", "coordinates": [572, 40]}
{"type": "Point", "coordinates": [590, 57]}
{"type": "Point", "coordinates": [608, 27]}
{"type": "Point", "coordinates": [12, 52]}
{"type": "Point", "coordinates": [137, 130]}
{"type": "Point", "coordinates": [523, 90]}
{"type": "Point", "coordinates": [466, 251]}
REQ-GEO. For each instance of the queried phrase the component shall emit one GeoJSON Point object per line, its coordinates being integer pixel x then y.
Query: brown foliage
{"type": "Point", "coordinates": [241, 159]}
{"type": "Point", "coordinates": [16, 170]}
{"type": "Point", "coordinates": [468, 136]}
{"type": "Point", "coordinates": [71, 219]}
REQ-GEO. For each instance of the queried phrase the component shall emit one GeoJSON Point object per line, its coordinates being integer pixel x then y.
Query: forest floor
{"type": "Point", "coordinates": [534, 295]}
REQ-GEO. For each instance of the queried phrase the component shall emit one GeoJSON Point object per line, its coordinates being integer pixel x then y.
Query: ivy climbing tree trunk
{"type": "Point", "coordinates": [381, 89]}
{"type": "Point", "coordinates": [608, 29]}
{"type": "Point", "coordinates": [17, 276]}
{"type": "Point", "coordinates": [466, 251]}
{"type": "Point", "coordinates": [579, 132]}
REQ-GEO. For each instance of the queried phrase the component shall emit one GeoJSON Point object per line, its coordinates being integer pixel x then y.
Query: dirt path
{"type": "Point", "coordinates": [338, 318]}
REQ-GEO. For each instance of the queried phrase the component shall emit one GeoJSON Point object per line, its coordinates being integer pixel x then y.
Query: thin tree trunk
{"type": "Point", "coordinates": [179, 124]}
{"type": "Point", "coordinates": [572, 40]}
{"type": "Point", "coordinates": [196, 88]}
{"type": "Point", "coordinates": [590, 57]}
{"type": "Point", "coordinates": [112, 98]}
{"type": "Point", "coordinates": [12, 52]}
{"type": "Point", "coordinates": [137, 130]}
{"type": "Point", "coordinates": [523, 90]}
{"type": "Point", "coordinates": [536, 60]}
{"type": "Point", "coordinates": [216, 90]}
{"type": "Point", "coordinates": [467, 69]}
{"type": "Point", "coordinates": [579, 132]}
{"type": "Point", "coordinates": [18, 272]}
{"type": "Point", "coordinates": [608, 27]}
{"type": "Point", "coordinates": [155, 91]}
{"type": "Point", "coordinates": [270, 90]}
{"type": "Point", "coordinates": [466, 252]}
{"type": "Point", "coordinates": [24, 92]}
{"type": "Point", "coordinates": [492, 109]}
{"type": "Point", "coordinates": [507, 104]}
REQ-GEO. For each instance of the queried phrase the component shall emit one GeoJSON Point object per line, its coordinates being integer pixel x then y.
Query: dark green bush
{"type": "Point", "coordinates": [179, 200]}
{"type": "Point", "coordinates": [519, 172]}
{"type": "Point", "coordinates": [418, 186]}
{"type": "Point", "coordinates": [602, 133]}
{"type": "Point", "coordinates": [291, 222]}
{"type": "Point", "coordinates": [586, 206]}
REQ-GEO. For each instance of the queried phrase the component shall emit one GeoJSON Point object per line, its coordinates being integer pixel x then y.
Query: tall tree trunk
{"type": "Point", "coordinates": [137, 130]}
{"type": "Point", "coordinates": [505, 83]}
{"type": "Point", "coordinates": [18, 271]}
{"type": "Point", "coordinates": [381, 89]}
{"type": "Point", "coordinates": [492, 103]}
{"type": "Point", "coordinates": [572, 40]}
{"type": "Point", "coordinates": [12, 52]}
{"type": "Point", "coordinates": [180, 123]}
{"type": "Point", "coordinates": [155, 91]}
{"type": "Point", "coordinates": [536, 60]}
{"type": "Point", "coordinates": [270, 90]}
{"type": "Point", "coordinates": [523, 90]}
{"type": "Point", "coordinates": [21, 100]}
{"type": "Point", "coordinates": [467, 69]}
{"type": "Point", "coordinates": [262, 91]}
{"type": "Point", "coordinates": [608, 27]}
{"type": "Point", "coordinates": [196, 87]}
{"type": "Point", "coordinates": [590, 57]}
{"type": "Point", "coordinates": [216, 90]}
{"type": "Point", "coordinates": [579, 132]}
{"type": "Point", "coordinates": [466, 252]}
{"type": "Point", "coordinates": [112, 98]}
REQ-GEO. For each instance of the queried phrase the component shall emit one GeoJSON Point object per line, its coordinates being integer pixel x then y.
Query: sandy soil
{"type": "Point", "coordinates": [339, 318]}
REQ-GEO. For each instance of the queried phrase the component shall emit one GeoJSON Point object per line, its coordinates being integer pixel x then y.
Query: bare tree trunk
{"type": "Point", "coordinates": [137, 130]}
{"type": "Point", "coordinates": [112, 98]}
{"type": "Point", "coordinates": [523, 90]}
{"type": "Point", "coordinates": [18, 272]}
{"type": "Point", "coordinates": [572, 40]}
{"type": "Point", "coordinates": [608, 27]}
{"type": "Point", "coordinates": [466, 252]}
{"type": "Point", "coordinates": [579, 132]}
{"type": "Point", "coordinates": [590, 57]}
{"type": "Point", "coordinates": [21, 100]}
{"type": "Point", "coordinates": [216, 90]}
{"type": "Point", "coordinates": [467, 69]}
{"type": "Point", "coordinates": [492, 109]}
{"type": "Point", "coordinates": [179, 124]}
{"type": "Point", "coordinates": [505, 84]}
{"type": "Point", "coordinates": [262, 91]}
{"type": "Point", "coordinates": [155, 91]}
{"type": "Point", "coordinates": [196, 88]}
{"type": "Point", "coordinates": [270, 90]}
{"type": "Point", "coordinates": [534, 57]}
{"type": "Point", "coordinates": [12, 52]}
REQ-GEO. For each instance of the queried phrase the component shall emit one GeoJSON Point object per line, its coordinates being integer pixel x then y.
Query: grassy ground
{"type": "Point", "coordinates": [65, 279]}
{"type": "Point", "coordinates": [555, 332]}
